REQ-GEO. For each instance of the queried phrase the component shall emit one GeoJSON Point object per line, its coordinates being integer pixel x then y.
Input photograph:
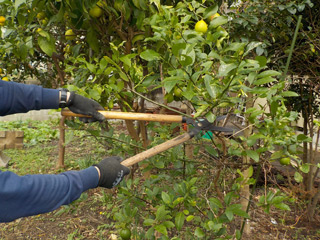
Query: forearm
{"type": "Point", "coordinates": [20, 98]}
{"type": "Point", "coordinates": [28, 195]}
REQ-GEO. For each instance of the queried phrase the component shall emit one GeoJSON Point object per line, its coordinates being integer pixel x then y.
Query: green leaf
{"type": "Point", "coordinates": [262, 60]}
{"type": "Point", "coordinates": [250, 46]}
{"type": "Point", "coordinates": [150, 233]}
{"type": "Point", "coordinates": [179, 220]}
{"type": "Point", "coordinates": [148, 222]}
{"type": "Point", "coordinates": [177, 47]}
{"type": "Point", "coordinates": [17, 3]}
{"type": "Point", "coordinates": [210, 11]}
{"type": "Point", "coordinates": [92, 39]}
{"type": "Point", "coordinates": [185, 60]}
{"type": "Point", "coordinates": [170, 82]}
{"type": "Point", "coordinates": [214, 226]}
{"type": "Point", "coordinates": [237, 210]}
{"type": "Point", "coordinates": [289, 94]}
{"type": "Point", "coordinates": [161, 229]}
{"type": "Point", "coordinates": [48, 47]}
{"type": "Point", "coordinates": [215, 204]}
{"type": "Point", "coordinates": [211, 150]}
{"type": "Point", "coordinates": [199, 233]}
{"type": "Point", "coordinates": [166, 198]}
{"type": "Point", "coordinates": [278, 199]}
{"type": "Point", "coordinates": [238, 234]}
{"type": "Point", "coordinates": [161, 213]}
{"type": "Point", "coordinates": [91, 67]}
{"type": "Point", "coordinates": [218, 21]}
{"type": "Point", "coordinates": [305, 168]}
{"type": "Point", "coordinates": [303, 138]}
{"type": "Point", "coordinates": [190, 218]}
{"type": "Point", "coordinates": [282, 206]}
{"type": "Point", "coordinates": [252, 77]}
{"type": "Point", "coordinates": [268, 73]}
{"type": "Point", "coordinates": [126, 59]}
{"type": "Point", "coordinates": [274, 105]}
{"type": "Point", "coordinates": [150, 55]}
{"type": "Point", "coordinates": [94, 94]}
{"type": "Point", "coordinates": [185, 19]}
{"type": "Point", "coordinates": [253, 154]}
{"type": "Point", "coordinates": [229, 196]}
{"type": "Point", "coordinates": [123, 76]}
{"type": "Point", "coordinates": [109, 60]}
{"type": "Point", "coordinates": [210, 89]}
{"type": "Point", "coordinates": [265, 80]}
{"type": "Point", "coordinates": [23, 51]}
{"type": "Point", "coordinates": [253, 139]}
{"type": "Point", "coordinates": [235, 47]}
{"type": "Point", "coordinates": [229, 215]}
{"type": "Point", "coordinates": [298, 177]}
{"type": "Point", "coordinates": [168, 224]}
{"type": "Point", "coordinates": [211, 117]}
{"type": "Point", "coordinates": [276, 155]}
{"type": "Point", "coordinates": [207, 65]}
{"type": "Point", "coordinates": [201, 109]}
{"type": "Point", "coordinates": [224, 69]}
{"type": "Point", "coordinates": [250, 172]}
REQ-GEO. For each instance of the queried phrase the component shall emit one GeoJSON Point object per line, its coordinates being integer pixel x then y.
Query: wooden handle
{"type": "Point", "coordinates": [130, 116]}
{"type": "Point", "coordinates": [157, 149]}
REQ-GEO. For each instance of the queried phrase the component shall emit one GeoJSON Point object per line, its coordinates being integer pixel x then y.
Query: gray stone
{"type": "Point", "coordinates": [4, 160]}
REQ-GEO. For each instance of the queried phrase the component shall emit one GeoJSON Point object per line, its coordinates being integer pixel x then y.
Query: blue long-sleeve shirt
{"type": "Point", "coordinates": [21, 98]}
{"type": "Point", "coordinates": [22, 196]}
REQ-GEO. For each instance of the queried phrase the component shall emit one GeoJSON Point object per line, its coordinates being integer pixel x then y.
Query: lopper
{"type": "Point", "coordinates": [197, 127]}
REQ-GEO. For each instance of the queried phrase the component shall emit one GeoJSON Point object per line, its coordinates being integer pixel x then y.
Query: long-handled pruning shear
{"type": "Point", "coordinates": [197, 127]}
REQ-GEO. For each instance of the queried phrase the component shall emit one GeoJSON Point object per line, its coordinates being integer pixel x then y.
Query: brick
{"type": "Point", "coordinates": [11, 139]}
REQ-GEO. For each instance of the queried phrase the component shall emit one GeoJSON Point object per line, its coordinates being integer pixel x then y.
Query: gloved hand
{"type": "Point", "coordinates": [111, 172]}
{"type": "Point", "coordinates": [82, 105]}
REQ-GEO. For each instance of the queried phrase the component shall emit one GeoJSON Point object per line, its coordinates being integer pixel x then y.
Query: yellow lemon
{"type": "Point", "coordinates": [2, 20]}
{"type": "Point", "coordinates": [285, 161]}
{"type": "Point", "coordinates": [177, 92]}
{"type": "Point", "coordinates": [201, 26]}
{"type": "Point", "coordinates": [44, 21]}
{"type": "Point", "coordinates": [95, 12]}
{"type": "Point", "coordinates": [70, 35]}
{"type": "Point", "coordinates": [41, 15]}
{"type": "Point", "coordinates": [5, 79]}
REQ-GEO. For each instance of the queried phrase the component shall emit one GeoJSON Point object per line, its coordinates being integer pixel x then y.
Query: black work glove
{"type": "Point", "coordinates": [111, 172]}
{"type": "Point", "coordinates": [85, 106]}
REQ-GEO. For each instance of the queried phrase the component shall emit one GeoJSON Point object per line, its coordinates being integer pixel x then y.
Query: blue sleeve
{"type": "Point", "coordinates": [28, 195]}
{"type": "Point", "coordinates": [21, 98]}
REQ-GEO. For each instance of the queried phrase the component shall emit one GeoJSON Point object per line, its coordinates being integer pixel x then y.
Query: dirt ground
{"type": "Point", "coordinates": [84, 222]}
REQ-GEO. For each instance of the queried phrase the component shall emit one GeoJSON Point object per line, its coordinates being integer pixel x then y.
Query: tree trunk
{"type": "Point", "coordinates": [245, 190]}
{"type": "Point", "coordinates": [313, 205]}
